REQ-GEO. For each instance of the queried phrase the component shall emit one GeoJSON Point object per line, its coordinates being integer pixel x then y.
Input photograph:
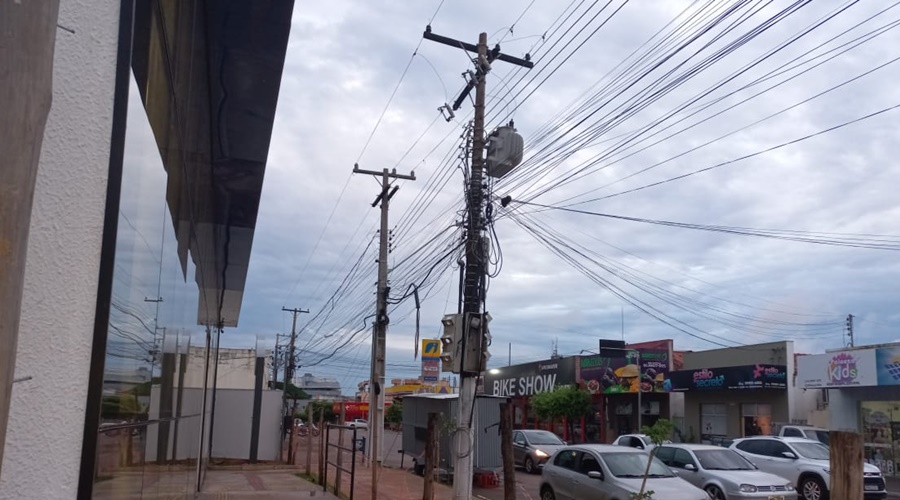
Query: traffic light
{"type": "Point", "coordinates": [451, 343]}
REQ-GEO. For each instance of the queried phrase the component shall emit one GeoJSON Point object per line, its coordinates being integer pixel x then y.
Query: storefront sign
{"type": "Point", "coordinates": [888, 359]}
{"type": "Point", "coordinates": [431, 360]}
{"type": "Point", "coordinates": [732, 377]}
{"type": "Point", "coordinates": [529, 378]}
{"type": "Point", "coordinates": [853, 368]}
{"type": "Point", "coordinates": [649, 372]}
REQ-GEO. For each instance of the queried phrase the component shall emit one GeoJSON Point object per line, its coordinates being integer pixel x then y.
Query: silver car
{"type": "Point", "coordinates": [805, 463]}
{"type": "Point", "coordinates": [723, 473]}
{"type": "Point", "coordinates": [608, 472]}
{"type": "Point", "coordinates": [532, 447]}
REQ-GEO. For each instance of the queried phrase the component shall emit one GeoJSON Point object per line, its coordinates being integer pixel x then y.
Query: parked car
{"type": "Point", "coordinates": [608, 472]}
{"type": "Point", "coordinates": [639, 441]}
{"type": "Point", "coordinates": [531, 448]}
{"type": "Point", "coordinates": [724, 474]}
{"type": "Point", "coordinates": [359, 423]}
{"type": "Point", "coordinates": [804, 431]}
{"type": "Point", "coordinates": [805, 463]}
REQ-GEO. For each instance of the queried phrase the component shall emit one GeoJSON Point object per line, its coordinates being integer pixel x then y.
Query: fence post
{"type": "Point", "coordinates": [309, 438]}
{"type": "Point", "coordinates": [430, 444]}
{"type": "Point", "coordinates": [846, 465]}
{"type": "Point", "coordinates": [323, 443]}
{"type": "Point", "coordinates": [324, 475]}
{"type": "Point", "coordinates": [340, 452]}
{"type": "Point", "coordinates": [506, 449]}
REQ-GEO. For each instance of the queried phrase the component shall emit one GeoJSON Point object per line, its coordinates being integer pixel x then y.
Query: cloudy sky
{"type": "Point", "coordinates": [623, 95]}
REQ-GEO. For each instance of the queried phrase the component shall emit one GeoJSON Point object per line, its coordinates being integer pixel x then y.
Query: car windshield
{"type": "Point", "coordinates": [543, 437]}
{"type": "Point", "coordinates": [634, 465]}
{"type": "Point", "coordinates": [814, 451]}
{"type": "Point", "coordinates": [722, 460]}
{"type": "Point", "coordinates": [646, 439]}
{"type": "Point", "coordinates": [821, 436]}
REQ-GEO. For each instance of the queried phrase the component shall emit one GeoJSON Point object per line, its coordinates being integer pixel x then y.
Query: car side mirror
{"type": "Point", "coordinates": [595, 475]}
{"type": "Point", "coordinates": [787, 454]}
{"type": "Point", "coordinates": [690, 467]}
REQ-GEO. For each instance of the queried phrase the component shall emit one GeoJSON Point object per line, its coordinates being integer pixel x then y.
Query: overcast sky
{"type": "Point", "coordinates": [345, 59]}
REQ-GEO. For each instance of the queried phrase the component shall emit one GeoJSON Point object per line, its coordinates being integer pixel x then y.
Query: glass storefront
{"type": "Point", "coordinates": [153, 437]}
{"type": "Point", "coordinates": [880, 424]}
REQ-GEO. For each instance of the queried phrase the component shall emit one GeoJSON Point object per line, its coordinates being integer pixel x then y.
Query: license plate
{"type": "Point", "coordinates": [776, 497]}
{"type": "Point", "coordinates": [871, 487]}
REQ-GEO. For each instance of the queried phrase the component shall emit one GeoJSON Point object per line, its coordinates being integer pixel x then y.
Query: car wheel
{"type": "Point", "coordinates": [547, 493]}
{"type": "Point", "coordinates": [529, 465]}
{"type": "Point", "coordinates": [812, 488]}
{"type": "Point", "coordinates": [715, 493]}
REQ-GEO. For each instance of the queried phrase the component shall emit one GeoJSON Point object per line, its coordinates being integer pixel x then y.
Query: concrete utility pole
{"type": "Point", "coordinates": [27, 41]}
{"type": "Point", "coordinates": [850, 330]}
{"type": "Point", "coordinates": [473, 286]}
{"type": "Point", "coordinates": [288, 376]}
{"type": "Point", "coordinates": [379, 328]}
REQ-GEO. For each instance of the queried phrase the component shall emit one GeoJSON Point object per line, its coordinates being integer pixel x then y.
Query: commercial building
{"type": "Point", "coordinates": [863, 395]}
{"type": "Point", "coordinates": [319, 387]}
{"type": "Point", "coordinates": [630, 389]}
{"type": "Point", "coordinates": [144, 213]}
{"type": "Point", "coordinates": [739, 391]}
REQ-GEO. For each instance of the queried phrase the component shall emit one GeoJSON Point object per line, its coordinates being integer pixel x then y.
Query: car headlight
{"type": "Point", "coordinates": [541, 453]}
{"type": "Point", "coordinates": [789, 487]}
{"type": "Point", "coordinates": [748, 488]}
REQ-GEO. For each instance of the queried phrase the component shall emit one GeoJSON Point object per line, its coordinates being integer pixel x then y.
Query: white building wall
{"type": "Point", "coordinates": [237, 369]}
{"type": "Point", "coordinates": [43, 445]}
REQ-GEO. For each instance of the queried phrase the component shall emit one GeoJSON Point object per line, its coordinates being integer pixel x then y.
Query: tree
{"type": "Point", "coordinates": [394, 413]}
{"type": "Point", "coordinates": [568, 402]}
{"type": "Point", "coordinates": [293, 392]}
{"type": "Point", "coordinates": [658, 434]}
{"type": "Point", "coordinates": [326, 408]}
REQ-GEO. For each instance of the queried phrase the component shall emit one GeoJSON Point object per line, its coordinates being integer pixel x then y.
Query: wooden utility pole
{"type": "Point", "coordinates": [846, 465]}
{"type": "Point", "coordinates": [309, 438]}
{"type": "Point", "coordinates": [473, 286]}
{"type": "Point", "coordinates": [27, 41]}
{"type": "Point", "coordinates": [340, 453]}
{"type": "Point", "coordinates": [379, 328]}
{"type": "Point", "coordinates": [322, 445]}
{"type": "Point", "coordinates": [506, 449]}
{"type": "Point", "coordinates": [431, 441]}
{"type": "Point", "coordinates": [288, 377]}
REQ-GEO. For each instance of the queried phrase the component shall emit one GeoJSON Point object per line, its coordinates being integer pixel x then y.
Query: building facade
{"type": "Point", "coordinates": [863, 395]}
{"type": "Point", "coordinates": [737, 391]}
{"type": "Point", "coordinates": [319, 387]}
{"type": "Point", "coordinates": [144, 213]}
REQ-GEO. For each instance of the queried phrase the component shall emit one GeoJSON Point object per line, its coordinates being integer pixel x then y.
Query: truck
{"type": "Point", "coordinates": [803, 431]}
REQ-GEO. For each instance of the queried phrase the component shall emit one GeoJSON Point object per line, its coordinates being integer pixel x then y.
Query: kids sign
{"type": "Point", "coordinates": [851, 368]}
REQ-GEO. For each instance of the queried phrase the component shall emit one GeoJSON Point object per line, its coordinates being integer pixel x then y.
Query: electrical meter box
{"type": "Point", "coordinates": [504, 151]}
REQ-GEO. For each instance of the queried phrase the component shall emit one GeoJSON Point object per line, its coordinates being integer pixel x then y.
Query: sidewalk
{"type": "Point", "coordinates": [259, 485]}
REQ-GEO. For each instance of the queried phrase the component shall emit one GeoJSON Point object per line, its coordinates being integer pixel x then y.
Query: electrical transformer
{"type": "Point", "coordinates": [504, 151]}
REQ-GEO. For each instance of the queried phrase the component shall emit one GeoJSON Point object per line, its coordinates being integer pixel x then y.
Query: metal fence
{"type": "Point", "coordinates": [338, 463]}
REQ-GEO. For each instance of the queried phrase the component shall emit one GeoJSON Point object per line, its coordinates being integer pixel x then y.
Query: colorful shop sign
{"type": "Point", "coordinates": [759, 376]}
{"type": "Point", "coordinates": [851, 368]}
{"type": "Point", "coordinates": [648, 372]}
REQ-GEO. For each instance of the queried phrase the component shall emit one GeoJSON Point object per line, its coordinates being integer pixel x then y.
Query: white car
{"type": "Point", "coordinates": [607, 472]}
{"type": "Point", "coordinates": [803, 462]}
{"type": "Point", "coordinates": [359, 423]}
{"type": "Point", "coordinates": [639, 441]}
{"type": "Point", "coordinates": [724, 474]}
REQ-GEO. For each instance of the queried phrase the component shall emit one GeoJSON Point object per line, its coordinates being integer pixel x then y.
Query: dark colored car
{"type": "Point", "coordinates": [532, 447]}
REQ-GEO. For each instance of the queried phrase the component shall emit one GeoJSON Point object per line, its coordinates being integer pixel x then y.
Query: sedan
{"type": "Point", "coordinates": [359, 423]}
{"type": "Point", "coordinates": [724, 474]}
{"type": "Point", "coordinates": [606, 472]}
{"type": "Point", "coordinates": [639, 441]}
{"type": "Point", "coordinates": [532, 447]}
